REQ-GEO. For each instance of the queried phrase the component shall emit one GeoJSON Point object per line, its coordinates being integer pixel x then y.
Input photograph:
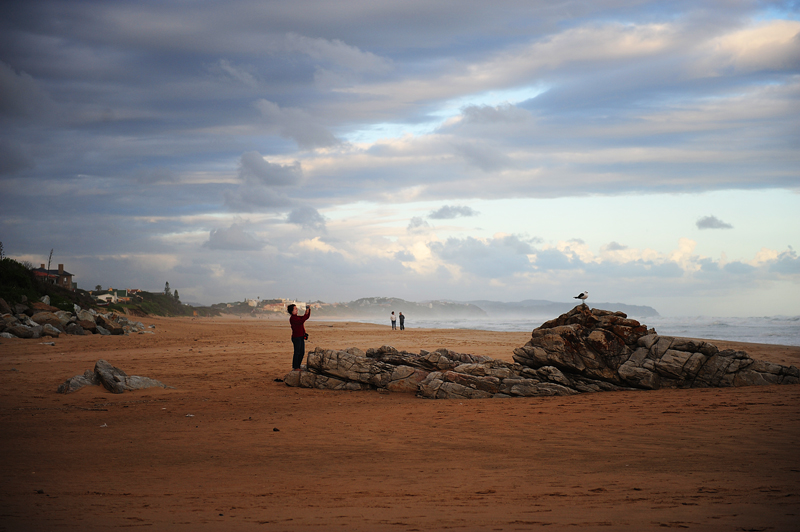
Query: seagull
{"type": "Point", "coordinates": [582, 296]}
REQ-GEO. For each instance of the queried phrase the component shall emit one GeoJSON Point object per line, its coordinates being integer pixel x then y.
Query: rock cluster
{"type": "Point", "coordinates": [583, 350]}
{"type": "Point", "coordinates": [40, 319]}
{"type": "Point", "coordinates": [111, 378]}
{"type": "Point", "coordinates": [605, 346]}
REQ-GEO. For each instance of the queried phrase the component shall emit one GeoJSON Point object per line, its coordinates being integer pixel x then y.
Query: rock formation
{"type": "Point", "coordinates": [39, 319]}
{"type": "Point", "coordinates": [583, 350]}
{"type": "Point", "coordinates": [111, 378]}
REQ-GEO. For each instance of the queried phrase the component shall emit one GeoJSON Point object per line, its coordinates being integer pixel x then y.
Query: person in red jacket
{"type": "Point", "coordinates": [298, 334]}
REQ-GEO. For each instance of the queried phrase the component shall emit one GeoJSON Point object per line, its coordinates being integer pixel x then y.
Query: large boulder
{"type": "Point", "coordinates": [20, 331]}
{"type": "Point", "coordinates": [86, 315]}
{"type": "Point", "coordinates": [88, 325]}
{"type": "Point", "coordinates": [74, 329]}
{"type": "Point", "coordinates": [5, 308]}
{"type": "Point", "coordinates": [46, 317]}
{"type": "Point", "coordinates": [111, 378]}
{"type": "Point", "coordinates": [49, 330]}
{"type": "Point", "coordinates": [607, 346]}
{"type": "Point", "coordinates": [40, 306]}
{"type": "Point", "coordinates": [109, 325]}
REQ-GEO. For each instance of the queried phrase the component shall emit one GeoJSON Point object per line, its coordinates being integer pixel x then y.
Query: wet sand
{"type": "Point", "coordinates": [231, 449]}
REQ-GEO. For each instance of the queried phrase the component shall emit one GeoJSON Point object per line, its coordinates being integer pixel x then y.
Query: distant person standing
{"type": "Point", "coordinates": [402, 322]}
{"type": "Point", "coordinates": [394, 321]}
{"type": "Point", "coordinates": [299, 335]}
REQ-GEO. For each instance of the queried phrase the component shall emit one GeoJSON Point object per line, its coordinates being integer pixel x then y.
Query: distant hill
{"type": "Point", "coordinates": [378, 306]}
{"type": "Point", "coordinates": [542, 307]}
{"type": "Point", "coordinates": [368, 307]}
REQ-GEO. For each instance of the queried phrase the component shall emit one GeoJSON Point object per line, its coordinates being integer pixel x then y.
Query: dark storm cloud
{"type": "Point", "coordinates": [447, 212]}
{"type": "Point", "coordinates": [254, 169]}
{"type": "Point", "coordinates": [712, 222]}
{"type": "Point", "coordinates": [150, 176]}
{"type": "Point", "coordinates": [21, 96]}
{"type": "Point", "coordinates": [13, 158]}
{"type": "Point", "coordinates": [296, 124]}
{"type": "Point", "coordinates": [248, 198]}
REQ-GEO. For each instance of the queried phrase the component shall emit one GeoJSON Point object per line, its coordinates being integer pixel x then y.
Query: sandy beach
{"type": "Point", "coordinates": [229, 448]}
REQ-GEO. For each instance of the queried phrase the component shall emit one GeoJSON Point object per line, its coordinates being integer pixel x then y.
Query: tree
{"type": "Point", "coordinates": [98, 287]}
{"type": "Point", "coordinates": [49, 259]}
{"type": "Point", "coordinates": [166, 288]}
{"type": "Point", "coordinates": [177, 297]}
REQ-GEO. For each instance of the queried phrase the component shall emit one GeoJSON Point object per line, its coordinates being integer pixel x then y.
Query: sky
{"type": "Point", "coordinates": [645, 151]}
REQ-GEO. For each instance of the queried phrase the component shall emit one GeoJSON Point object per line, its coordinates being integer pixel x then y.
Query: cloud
{"type": "Point", "coordinates": [787, 263]}
{"type": "Point", "coordinates": [151, 176]}
{"type": "Point", "coordinates": [254, 169]}
{"type": "Point", "coordinates": [553, 259]}
{"type": "Point", "coordinates": [404, 256]}
{"type": "Point", "coordinates": [712, 222]}
{"type": "Point", "coordinates": [234, 238]}
{"type": "Point", "coordinates": [491, 114]}
{"type": "Point", "coordinates": [307, 218]}
{"type": "Point", "coordinates": [240, 74]}
{"type": "Point", "coordinates": [447, 212]}
{"type": "Point", "coordinates": [739, 268]}
{"type": "Point", "coordinates": [297, 125]}
{"type": "Point", "coordinates": [21, 95]}
{"type": "Point", "coordinates": [248, 198]}
{"type": "Point", "coordinates": [484, 156]}
{"type": "Point", "coordinates": [500, 256]}
{"type": "Point", "coordinates": [13, 158]}
{"type": "Point", "coordinates": [336, 52]}
{"type": "Point", "coordinates": [614, 246]}
{"type": "Point", "coordinates": [417, 224]}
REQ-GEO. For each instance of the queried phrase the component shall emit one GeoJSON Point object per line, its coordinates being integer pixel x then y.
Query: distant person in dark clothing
{"type": "Point", "coordinates": [402, 322]}
{"type": "Point", "coordinates": [298, 334]}
{"type": "Point", "coordinates": [394, 321]}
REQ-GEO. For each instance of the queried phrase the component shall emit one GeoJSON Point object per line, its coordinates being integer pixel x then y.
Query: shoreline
{"type": "Point", "coordinates": [760, 330]}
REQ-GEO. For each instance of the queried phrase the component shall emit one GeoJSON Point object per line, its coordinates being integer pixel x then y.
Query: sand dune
{"type": "Point", "coordinates": [230, 448]}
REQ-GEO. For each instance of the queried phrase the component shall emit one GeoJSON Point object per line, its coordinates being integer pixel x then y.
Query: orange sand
{"type": "Point", "coordinates": [207, 456]}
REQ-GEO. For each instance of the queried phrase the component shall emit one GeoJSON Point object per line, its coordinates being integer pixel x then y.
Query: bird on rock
{"type": "Point", "coordinates": [582, 296]}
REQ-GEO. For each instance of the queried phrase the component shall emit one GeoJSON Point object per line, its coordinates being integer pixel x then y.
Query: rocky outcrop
{"type": "Point", "coordinates": [602, 345]}
{"type": "Point", "coordinates": [584, 350]}
{"type": "Point", "coordinates": [111, 378]}
{"type": "Point", "coordinates": [39, 319]}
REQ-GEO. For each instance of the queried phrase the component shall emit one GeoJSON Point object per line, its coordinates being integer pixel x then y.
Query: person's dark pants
{"type": "Point", "coordinates": [393, 324]}
{"type": "Point", "coordinates": [299, 351]}
{"type": "Point", "coordinates": [402, 326]}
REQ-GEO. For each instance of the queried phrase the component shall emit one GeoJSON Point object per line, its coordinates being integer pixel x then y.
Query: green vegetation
{"type": "Point", "coordinates": [160, 304]}
{"type": "Point", "coordinates": [17, 283]}
{"type": "Point", "coordinates": [16, 280]}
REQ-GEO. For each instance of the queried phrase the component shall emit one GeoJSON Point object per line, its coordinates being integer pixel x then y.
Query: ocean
{"type": "Point", "coordinates": [780, 330]}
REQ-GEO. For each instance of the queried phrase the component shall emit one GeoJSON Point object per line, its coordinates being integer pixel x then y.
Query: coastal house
{"type": "Point", "coordinates": [59, 277]}
{"type": "Point", "coordinates": [111, 296]}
